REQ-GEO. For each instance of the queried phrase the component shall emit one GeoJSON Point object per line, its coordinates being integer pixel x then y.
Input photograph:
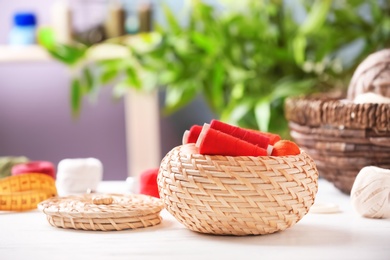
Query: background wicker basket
{"type": "Point", "coordinates": [342, 136]}
{"type": "Point", "coordinates": [240, 195]}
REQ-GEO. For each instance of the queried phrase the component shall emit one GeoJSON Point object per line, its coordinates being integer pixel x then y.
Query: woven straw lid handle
{"type": "Point", "coordinates": [102, 200]}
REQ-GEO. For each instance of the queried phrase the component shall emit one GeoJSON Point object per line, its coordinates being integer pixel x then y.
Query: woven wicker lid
{"type": "Point", "coordinates": [102, 206]}
{"type": "Point", "coordinates": [372, 75]}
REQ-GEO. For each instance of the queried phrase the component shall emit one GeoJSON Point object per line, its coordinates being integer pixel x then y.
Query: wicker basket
{"type": "Point", "coordinates": [241, 195]}
{"type": "Point", "coordinates": [341, 137]}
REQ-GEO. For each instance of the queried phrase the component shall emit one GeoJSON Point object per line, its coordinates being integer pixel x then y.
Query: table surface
{"type": "Point", "coordinates": [341, 235]}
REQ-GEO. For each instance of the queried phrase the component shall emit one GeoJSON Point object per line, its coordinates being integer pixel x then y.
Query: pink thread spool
{"type": "Point", "coordinates": [43, 167]}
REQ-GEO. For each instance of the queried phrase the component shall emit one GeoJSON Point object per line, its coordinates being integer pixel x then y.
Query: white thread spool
{"type": "Point", "coordinates": [75, 176]}
{"type": "Point", "coordinates": [370, 192]}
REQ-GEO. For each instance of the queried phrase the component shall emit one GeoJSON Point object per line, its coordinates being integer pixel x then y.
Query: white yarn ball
{"type": "Point", "coordinates": [370, 192]}
{"type": "Point", "coordinates": [370, 97]}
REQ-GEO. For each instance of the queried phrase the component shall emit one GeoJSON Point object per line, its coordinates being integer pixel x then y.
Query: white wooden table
{"type": "Point", "coordinates": [344, 235]}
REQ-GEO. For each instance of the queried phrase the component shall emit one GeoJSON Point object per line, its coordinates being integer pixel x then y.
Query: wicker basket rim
{"type": "Point", "coordinates": [190, 150]}
{"type": "Point", "coordinates": [123, 206]}
{"type": "Point", "coordinates": [335, 112]}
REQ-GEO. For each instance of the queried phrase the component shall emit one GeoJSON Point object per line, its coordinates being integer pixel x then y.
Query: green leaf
{"type": "Point", "coordinates": [152, 38]}
{"type": "Point", "coordinates": [112, 63]}
{"type": "Point", "coordinates": [168, 77]}
{"type": "Point", "coordinates": [149, 80]}
{"type": "Point", "coordinates": [67, 54]}
{"type": "Point", "coordinates": [145, 42]}
{"type": "Point", "coordinates": [132, 78]}
{"type": "Point", "coordinates": [178, 97]}
{"type": "Point", "coordinates": [159, 28]}
{"type": "Point", "coordinates": [238, 91]}
{"type": "Point", "coordinates": [263, 114]}
{"type": "Point", "coordinates": [108, 70]}
{"type": "Point", "coordinates": [203, 42]}
{"type": "Point", "coordinates": [108, 75]}
{"type": "Point", "coordinates": [88, 80]}
{"type": "Point", "coordinates": [46, 37]}
{"type": "Point", "coordinates": [182, 45]}
{"type": "Point", "coordinates": [287, 87]}
{"type": "Point", "coordinates": [217, 90]}
{"type": "Point", "coordinates": [299, 47]}
{"type": "Point", "coordinates": [316, 17]}
{"type": "Point", "coordinates": [375, 10]}
{"type": "Point", "coordinates": [239, 74]}
{"type": "Point", "coordinates": [173, 24]}
{"type": "Point", "coordinates": [236, 111]}
{"type": "Point", "coordinates": [120, 89]}
{"type": "Point", "coordinates": [76, 97]}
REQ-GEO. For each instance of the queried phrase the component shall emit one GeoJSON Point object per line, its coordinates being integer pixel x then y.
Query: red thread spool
{"type": "Point", "coordinates": [214, 142]}
{"type": "Point", "coordinates": [256, 138]}
{"type": "Point", "coordinates": [148, 183]}
{"type": "Point", "coordinates": [285, 147]}
{"type": "Point", "coordinates": [43, 167]}
{"type": "Point", "coordinates": [194, 133]}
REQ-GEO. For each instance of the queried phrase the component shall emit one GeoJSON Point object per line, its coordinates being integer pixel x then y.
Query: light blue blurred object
{"type": "Point", "coordinates": [23, 31]}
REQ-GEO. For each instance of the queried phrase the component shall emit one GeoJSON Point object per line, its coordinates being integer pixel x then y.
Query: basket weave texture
{"type": "Point", "coordinates": [102, 212]}
{"type": "Point", "coordinates": [241, 195]}
{"type": "Point", "coordinates": [341, 137]}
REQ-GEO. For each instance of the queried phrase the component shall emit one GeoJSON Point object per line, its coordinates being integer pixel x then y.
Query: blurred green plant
{"type": "Point", "coordinates": [244, 58]}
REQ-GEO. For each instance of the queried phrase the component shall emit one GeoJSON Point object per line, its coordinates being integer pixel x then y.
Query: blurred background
{"type": "Point", "coordinates": [237, 61]}
{"type": "Point", "coordinates": [35, 113]}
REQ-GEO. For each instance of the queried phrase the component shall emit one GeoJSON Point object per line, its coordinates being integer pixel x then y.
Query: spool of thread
{"type": "Point", "coordinates": [370, 192]}
{"type": "Point", "coordinates": [145, 17]}
{"type": "Point", "coordinates": [114, 24]}
{"type": "Point", "coordinates": [61, 21]}
{"type": "Point", "coordinates": [285, 148]}
{"type": "Point", "coordinates": [43, 167]}
{"type": "Point", "coordinates": [75, 176]}
{"type": "Point", "coordinates": [148, 183]}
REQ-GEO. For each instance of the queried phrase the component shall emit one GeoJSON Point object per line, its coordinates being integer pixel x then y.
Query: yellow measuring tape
{"type": "Point", "coordinates": [25, 191]}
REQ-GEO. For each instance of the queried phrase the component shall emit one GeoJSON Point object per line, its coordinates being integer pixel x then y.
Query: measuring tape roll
{"type": "Point", "coordinates": [25, 191]}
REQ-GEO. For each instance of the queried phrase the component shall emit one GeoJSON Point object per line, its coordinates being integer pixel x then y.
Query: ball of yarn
{"type": "Point", "coordinates": [372, 75]}
{"type": "Point", "coordinates": [370, 97]}
{"type": "Point", "coordinates": [371, 192]}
